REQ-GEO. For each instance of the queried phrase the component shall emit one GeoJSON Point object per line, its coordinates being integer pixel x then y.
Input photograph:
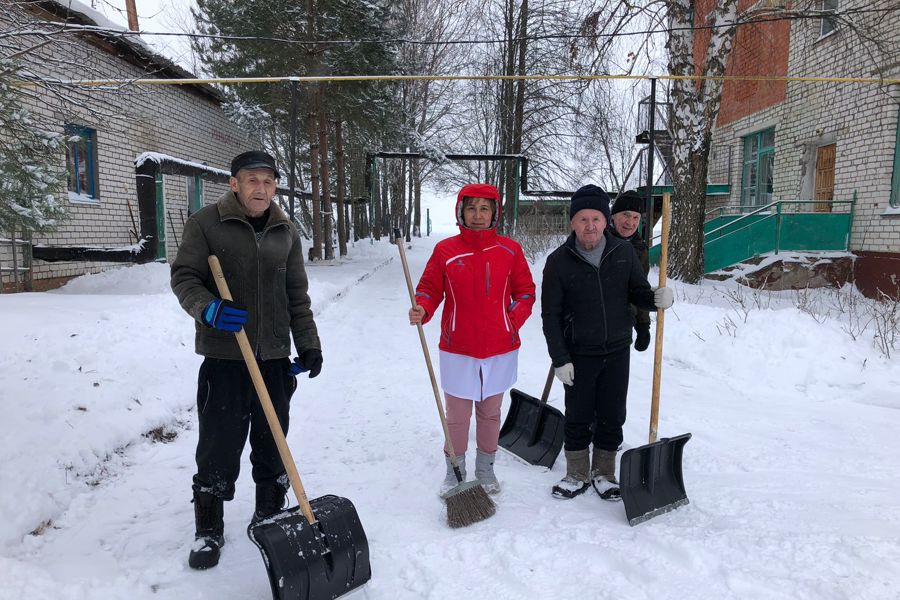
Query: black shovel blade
{"type": "Point", "coordinates": [533, 430]}
{"type": "Point", "coordinates": [651, 480]}
{"type": "Point", "coordinates": [314, 562]}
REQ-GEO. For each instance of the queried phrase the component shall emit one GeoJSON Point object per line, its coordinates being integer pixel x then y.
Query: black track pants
{"type": "Point", "coordinates": [228, 409]}
{"type": "Point", "coordinates": [597, 400]}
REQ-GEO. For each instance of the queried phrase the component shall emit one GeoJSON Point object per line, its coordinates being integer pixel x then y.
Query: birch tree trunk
{"type": "Point", "coordinates": [695, 107]}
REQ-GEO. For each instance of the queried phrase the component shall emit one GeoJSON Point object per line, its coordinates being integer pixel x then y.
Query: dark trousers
{"type": "Point", "coordinates": [595, 404]}
{"type": "Point", "coordinates": [228, 409]}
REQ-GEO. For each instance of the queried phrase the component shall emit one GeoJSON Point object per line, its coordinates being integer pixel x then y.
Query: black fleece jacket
{"type": "Point", "coordinates": [585, 309]}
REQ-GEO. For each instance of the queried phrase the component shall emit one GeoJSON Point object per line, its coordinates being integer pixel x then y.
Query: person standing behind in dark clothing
{"type": "Point", "coordinates": [626, 220]}
{"type": "Point", "coordinates": [260, 253]}
{"type": "Point", "coordinates": [589, 283]}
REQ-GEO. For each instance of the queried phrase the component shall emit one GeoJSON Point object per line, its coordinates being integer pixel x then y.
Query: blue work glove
{"type": "Point", "coordinates": [225, 315]}
{"type": "Point", "coordinates": [642, 342]}
{"type": "Point", "coordinates": [309, 360]}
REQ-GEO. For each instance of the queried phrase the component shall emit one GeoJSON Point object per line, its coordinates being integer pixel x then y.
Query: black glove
{"type": "Point", "coordinates": [225, 315]}
{"type": "Point", "coordinates": [642, 342]}
{"type": "Point", "coordinates": [309, 360]}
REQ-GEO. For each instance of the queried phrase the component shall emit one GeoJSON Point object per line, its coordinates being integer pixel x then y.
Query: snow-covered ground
{"type": "Point", "coordinates": [793, 471]}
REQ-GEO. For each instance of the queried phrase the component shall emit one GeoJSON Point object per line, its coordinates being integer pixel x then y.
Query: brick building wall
{"type": "Point", "coordinates": [861, 120]}
{"type": "Point", "coordinates": [184, 121]}
{"type": "Point", "coordinates": [759, 49]}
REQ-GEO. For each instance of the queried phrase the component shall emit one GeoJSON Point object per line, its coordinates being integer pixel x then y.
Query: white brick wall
{"type": "Point", "coordinates": [180, 121]}
{"type": "Point", "coordinates": [861, 119]}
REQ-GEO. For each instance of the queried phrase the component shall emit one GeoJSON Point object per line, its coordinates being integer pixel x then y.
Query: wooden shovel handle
{"type": "Point", "coordinates": [660, 317]}
{"type": "Point", "coordinates": [434, 385]}
{"type": "Point", "coordinates": [264, 399]}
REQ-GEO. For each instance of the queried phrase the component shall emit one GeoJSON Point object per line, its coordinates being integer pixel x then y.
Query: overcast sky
{"type": "Point", "coordinates": [156, 15]}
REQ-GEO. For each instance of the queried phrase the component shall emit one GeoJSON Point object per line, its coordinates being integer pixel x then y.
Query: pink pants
{"type": "Point", "coordinates": [487, 423]}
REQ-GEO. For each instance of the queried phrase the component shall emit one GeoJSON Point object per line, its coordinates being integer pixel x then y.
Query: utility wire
{"type": "Point", "coordinates": [550, 36]}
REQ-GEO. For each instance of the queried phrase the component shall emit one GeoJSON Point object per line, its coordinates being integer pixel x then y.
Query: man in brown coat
{"type": "Point", "coordinates": [260, 253]}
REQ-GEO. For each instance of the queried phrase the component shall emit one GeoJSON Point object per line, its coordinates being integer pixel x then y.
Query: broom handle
{"type": "Point", "coordinates": [434, 385]}
{"type": "Point", "coordinates": [546, 393]}
{"type": "Point", "coordinates": [660, 318]}
{"type": "Point", "coordinates": [264, 398]}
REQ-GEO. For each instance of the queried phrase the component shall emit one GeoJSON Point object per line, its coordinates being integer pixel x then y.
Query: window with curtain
{"type": "Point", "coordinates": [81, 163]}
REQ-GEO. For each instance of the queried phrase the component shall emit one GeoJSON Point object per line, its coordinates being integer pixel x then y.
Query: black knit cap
{"type": "Point", "coordinates": [255, 159]}
{"type": "Point", "coordinates": [629, 200]}
{"type": "Point", "coordinates": [590, 196]}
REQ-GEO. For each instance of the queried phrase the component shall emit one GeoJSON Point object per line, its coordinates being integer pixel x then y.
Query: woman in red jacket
{"type": "Point", "coordinates": [489, 293]}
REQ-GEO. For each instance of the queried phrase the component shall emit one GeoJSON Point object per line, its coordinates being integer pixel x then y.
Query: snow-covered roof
{"type": "Point", "coordinates": [136, 49]}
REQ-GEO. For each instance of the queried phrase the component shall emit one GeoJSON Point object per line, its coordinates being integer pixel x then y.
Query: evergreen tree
{"type": "Point", "coordinates": [31, 174]}
{"type": "Point", "coordinates": [365, 105]}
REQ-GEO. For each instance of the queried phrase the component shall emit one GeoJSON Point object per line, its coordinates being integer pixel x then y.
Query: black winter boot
{"type": "Point", "coordinates": [269, 501]}
{"type": "Point", "coordinates": [210, 528]}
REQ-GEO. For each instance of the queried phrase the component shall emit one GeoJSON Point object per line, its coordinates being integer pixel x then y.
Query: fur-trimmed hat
{"type": "Point", "coordinates": [629, 200]}
{"type": "Point", "coordinates": [590, 196]}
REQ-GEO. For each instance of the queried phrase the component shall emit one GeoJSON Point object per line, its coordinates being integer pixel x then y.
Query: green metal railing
{"type": "Point", "coordinates": [775, 227]}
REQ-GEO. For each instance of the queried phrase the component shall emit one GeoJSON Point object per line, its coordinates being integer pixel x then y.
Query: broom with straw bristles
{"type": "Point", "coordinates": [467, 502]}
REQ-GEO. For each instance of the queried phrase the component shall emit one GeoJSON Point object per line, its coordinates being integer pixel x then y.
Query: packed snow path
{"type": "Point", "coordinates": [793, 472]}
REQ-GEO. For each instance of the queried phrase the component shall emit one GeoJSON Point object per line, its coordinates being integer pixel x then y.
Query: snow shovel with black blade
{"type": "Point", "coordinates": [533, 430]}
{"type": "Point", "coordinates": [317, 550]}
{"type": "Point", "coordinates": [650, 477]}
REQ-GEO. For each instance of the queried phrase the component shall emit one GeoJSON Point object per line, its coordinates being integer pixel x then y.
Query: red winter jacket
{"type": "Point", "coordinates": [486, 281]}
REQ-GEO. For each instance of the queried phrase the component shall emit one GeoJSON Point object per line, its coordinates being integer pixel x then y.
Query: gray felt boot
{"type": "Point", "coordinates": [603, 474]}
{"type": "Point", "coordinates": [450, 479]}
{"type": "Point", "coordinates": [484, 472]}
{"type": "Point", "coordinates": [577, 479]}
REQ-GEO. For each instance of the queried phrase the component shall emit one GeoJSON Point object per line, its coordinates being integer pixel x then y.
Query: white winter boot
{"type": "Point", "coordinates": [484, 472]}
{"type": "Point", "coordinates": [450, 479]}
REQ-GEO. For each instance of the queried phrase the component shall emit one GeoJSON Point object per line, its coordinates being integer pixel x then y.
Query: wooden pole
{"type": "Point", "coordinates": [271, 416]}
{"type": "Point", "coordinates": [660, 315]}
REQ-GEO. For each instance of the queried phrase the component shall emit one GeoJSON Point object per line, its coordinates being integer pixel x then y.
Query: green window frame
{"type": "Point", "coordinates": [895, 177]}
{"type": "Point", "coordinates": [81, 163]}
{"type": "Point", "coordinates": [758, 172]}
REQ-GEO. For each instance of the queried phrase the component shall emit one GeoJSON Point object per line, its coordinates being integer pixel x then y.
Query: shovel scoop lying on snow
{"type": "Point", "coordinates": [325, 559]}
{"type": "Point", "coordinates": [318, 550]}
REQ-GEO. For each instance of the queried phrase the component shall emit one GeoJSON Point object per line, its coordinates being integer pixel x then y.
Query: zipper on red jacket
{"type": "Point", "coordinates": [506, 322]}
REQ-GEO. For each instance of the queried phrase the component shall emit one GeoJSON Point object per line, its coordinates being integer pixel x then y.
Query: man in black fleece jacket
{"type": "Point", "coordinates": [625, 221]}
{"type": "Point", "coordinates": [589, 284]}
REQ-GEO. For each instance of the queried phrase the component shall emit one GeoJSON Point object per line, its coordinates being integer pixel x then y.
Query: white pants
{"type": "Point", "coordinates": [476, 378]}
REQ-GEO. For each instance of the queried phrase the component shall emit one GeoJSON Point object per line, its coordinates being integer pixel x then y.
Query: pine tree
{"type": "Point", "coordinates": [31, 173]}
{"type": "Point", "coordinates": [273, 36]}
